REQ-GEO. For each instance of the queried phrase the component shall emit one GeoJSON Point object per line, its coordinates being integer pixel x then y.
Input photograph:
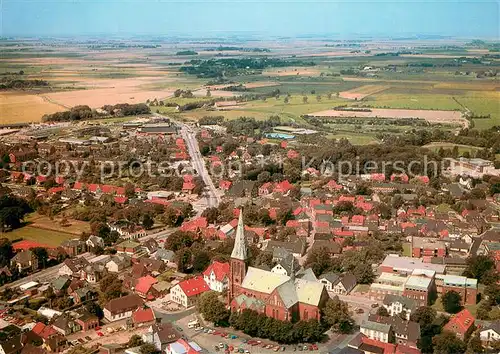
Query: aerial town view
{"type": "Point", "coordinates": [181, 177]}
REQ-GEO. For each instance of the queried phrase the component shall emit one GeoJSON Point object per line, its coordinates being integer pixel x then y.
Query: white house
{"type": "Point", "coordinates": [490, 333]}
{"type": "Point", "coordinates": [395, 304]}
{"type": "Point", "coordinates": [376, 331]}
{"type": "Point", "coordinates": [122, 307]}
{"type": "Point", "coordinates": [94, 241]}
{"type": "Point", "coordinates": [217, 276]}
{"type": "Point", "coordinates": [185, 292]}
{"type": "Point", "coordinates": [127, 230]}
{"type": "Point", "coordinates": [338, 284]}
{"type": "Point", "coordinates": [117, 263]}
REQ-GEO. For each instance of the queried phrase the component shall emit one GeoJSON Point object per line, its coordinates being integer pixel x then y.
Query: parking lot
{"type": "Point", "coordinates": [217, 340]}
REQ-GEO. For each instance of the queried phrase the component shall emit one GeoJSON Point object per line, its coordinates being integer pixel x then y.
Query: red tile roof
{"type": "Point", "coordinates": [283, 187]}
{"type": "Point", "coordinates": [188, 186]}
{"type": "Point", "coordinates": [461, 322]}
{"type": "Point", "coordinates": [194, 286]}
{"type": "Point", "coordinates": [144, 284]}
{"type": "Point", "coordinates": [143, 315]}
{"type": "Point", "coordinates": [55, 190]}
{"type": "Point", "coordinates": [221, 270]}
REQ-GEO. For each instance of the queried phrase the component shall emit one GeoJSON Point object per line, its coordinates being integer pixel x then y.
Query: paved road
{"type": "Point", "coordinates": [198, 163]}
{"type": "Point", "coordinates": [45, 275]}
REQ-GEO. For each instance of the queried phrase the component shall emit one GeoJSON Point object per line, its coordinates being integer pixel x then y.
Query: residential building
{"type": "Point", "coordinates": [186, 292]}
{"type": "Point", "coordinates": [25, 261]}
{"type": "Point", "coordinates": [73, 267]}
{"type": "Point", "coordinates": [217, 276]}
{"type": "Point", "coordinates": [338, 284]}
{"type": "Point", "coordinates": [395, 305]}
{"type": "Point", "coordinates": [122, 307]}
{"type": "Point", "coordinates": [377, 331]}
{"type": "Point", "coordinates": [490, 333]}
{"type": "Point", "coordinates": [117, 263]}
{"type": "Point", "coordinates": [163, 334]}
{"type": "Point", "coordinates": [461, 324]}
{"type": "Point", "coordinates": [74, 247]}
{"type": "Point", "coordinates": [405, 332]}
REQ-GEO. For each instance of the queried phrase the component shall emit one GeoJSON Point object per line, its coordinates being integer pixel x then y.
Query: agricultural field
{"type": "Point", "coordinates": [319, 78]}
{"type": "Point", "coordinates": [48, 237]}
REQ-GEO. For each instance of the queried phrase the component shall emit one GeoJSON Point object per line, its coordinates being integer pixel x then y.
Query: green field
{"type": "Point", "coordinates": [49, 237]}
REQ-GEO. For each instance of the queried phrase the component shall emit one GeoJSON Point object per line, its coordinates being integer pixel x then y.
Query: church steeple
{"type": "Point", "coordinates": [238, 268]}
{"type": "Point", "coordinates": [240, 245]}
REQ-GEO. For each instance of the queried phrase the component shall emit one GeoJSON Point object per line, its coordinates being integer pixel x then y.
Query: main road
{"type": "Point", "coordinates": [197, 161]}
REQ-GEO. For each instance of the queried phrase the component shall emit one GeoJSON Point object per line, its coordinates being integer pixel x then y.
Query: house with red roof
{"type": "Point", "coordinates": [461, 324]}
{"type": "Point", "coordinates": [400, 177]}
{"type": "Point", "coordinates": [120, 200]}
{"type": "Point", "coordinates": [55, 190]}
{"type": "Point", "coordinates": [284, 144]}
{"type": "Point", "coordinates": [292, 154]}
{"type": "Point", "coordinates": [188, 187]}
{"type": "Point", "coordinates": [423, 179]}
{"type": "Point", "coordinates": [144, 286]}
{"type": "Point", "coordinates": [266, 188]}
{"type": "Point", "coordinates": [225, 185]}
{"type": "Point", "coordinates": [377, 177]}
{"type": "Point", "coordinates": [195, 225]}
{"type": "Point", "coordinates": [333, 186]}
{"type": "Point", "coordinates": [217, 276]}
{"type": "Point", "coordinates": [283, 187]}
{"type": "Point", "coordinates": [53, 341]}
{"type": "Point", "coordinates": [187, 291]}
{"type": "Point", "coordinates": [219, 149]}
{"type": "Point", "coordinates": [143, 317]}
{"type": "Point", "coordinates": [182, 346]}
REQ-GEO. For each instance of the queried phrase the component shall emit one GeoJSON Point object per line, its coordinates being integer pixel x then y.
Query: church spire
{"type": "Point", "coordinates": [240, 245]}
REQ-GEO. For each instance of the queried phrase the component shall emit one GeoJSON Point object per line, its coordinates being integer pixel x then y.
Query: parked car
{"type": "Point", "coordinates": [360, 311]}
{"type": "Point", "coordinates": [276, 348]}
{"type": "Point", "coordinates": [314, 346]}
{"type": "Point", "coordinates": [221, 345]}
{"type": "Point", "coordinates": [374, 305]}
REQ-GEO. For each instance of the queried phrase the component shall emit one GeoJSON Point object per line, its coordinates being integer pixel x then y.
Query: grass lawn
{"type": "Point", "coordinates": [43, 222]}
{"type": "Point", "coordinates": [361, 288]}
{"type": "Point", "coordinates": [406, 249]}
{"type": "Point", "coordinates": [435, 146]}
{"type": "Point", "coordinates": [49, 237]}
{"type": "Point", "coordinates": [438, 306]}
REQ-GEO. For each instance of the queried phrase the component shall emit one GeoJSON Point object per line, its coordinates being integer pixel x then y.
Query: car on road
{"type": "Point", "coordinates": [221, 345]}
{"type": "Point", "coordinates": [81, 340]}
{"type": "Point", "coordinates": [276, 348]}
{"type": "Point", "coordinates": [359, 311]}
{"type": "Point", "coordinates": [374, 306]}
{"type": "Point", "coordinates": [100, 334]}
{"type": "Point", "coordinates": [88, 338]}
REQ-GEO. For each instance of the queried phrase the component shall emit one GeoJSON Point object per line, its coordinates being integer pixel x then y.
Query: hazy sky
{"type": "Point", "coordinates": [474, 18]}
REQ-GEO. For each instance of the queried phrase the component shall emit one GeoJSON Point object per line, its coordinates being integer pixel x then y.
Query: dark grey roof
{"type": "Point", "coordinates": [406, 302]}
{"type": "Point", "coordinates": [331, 277]}
{"type": "Point", "coordinates": [495, 326]}
{"type": "Point", "coordinates": [348, 280]}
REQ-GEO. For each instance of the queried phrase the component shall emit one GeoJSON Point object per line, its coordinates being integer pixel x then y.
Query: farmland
{"type": "Point", "coordinates": [433, 117]}
{"type": "Point", "coordinates": [297, 78]}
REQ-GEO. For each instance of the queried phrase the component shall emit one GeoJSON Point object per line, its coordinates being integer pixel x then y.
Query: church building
{"type": "Point", "coordinates": [299, 296]}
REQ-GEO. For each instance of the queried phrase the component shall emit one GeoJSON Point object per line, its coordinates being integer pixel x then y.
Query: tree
{"type": "Point", "coordinates": [209, 94]}
{"type": "Point", "coordinates": [475, 346]}
{"type": "Point", "coordinates": [382, 311]}
{"type": "Point", "coordinates": [336, 315]}
{"type": "Point", "coordinates": [364, 273]}
{"type": "Point", "coordinates": [183, 258]}
{"type": "Point", "coordinates": [110, 286]}
{"type": "Point", "coordinates": [286, 100]}
{"type": "Point", "coordinates": [41, 255]}
{"type": "Point", "coordinates": [178, 240]}
{"type": "Point", "coordinates": [135, 341]}
{"type": "Point", "coordinates": [424, 315]}
{"type": "Point", "coordinates": [94, 308]}
{"type": "Point", "coordinates": [479, 267]}
{"type": "Point", "coordinates": [148, 348]}
{"type": "Point", "coordinates": [304, 99]}
{"type": "Point", "coordinates": [212, 214]}
{"type": "Point", "coordinates": [212, 309]}
{"type": "Point", "coordinates": [201, 260]}
{"type": "Point", "coordinates": [447, 342]}
{"type": "Point", "coordinates": [6, 252]}
{"type": "Point", "coordinates": [12, 211]}
{"type": "Point", "coordinates": [147, 222]}
{"type": "Point", "coordinates": [452, 301]}
{"type": "Point", "coordinates": [319, 260]}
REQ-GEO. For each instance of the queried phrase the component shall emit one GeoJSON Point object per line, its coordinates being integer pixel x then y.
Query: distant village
{"type": "Point", "coordinates": [198, 256]}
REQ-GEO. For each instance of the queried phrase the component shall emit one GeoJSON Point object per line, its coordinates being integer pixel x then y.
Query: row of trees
{"type": "Point", "coordinates": [335, 315]}
{"type": "Point", "coordinates": [85, 112]}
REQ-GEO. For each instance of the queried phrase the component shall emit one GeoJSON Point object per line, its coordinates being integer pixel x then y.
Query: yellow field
{"type": "Point", "coordinates": [19, 107]}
